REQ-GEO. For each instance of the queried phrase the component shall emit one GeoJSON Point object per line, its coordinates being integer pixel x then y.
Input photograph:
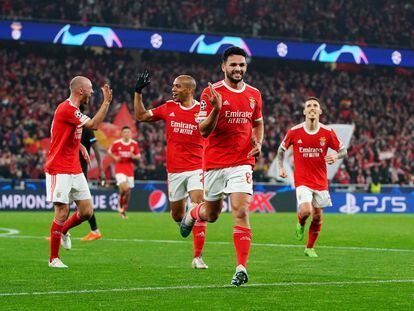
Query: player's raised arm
{"type": "Point", "coordinates": [209, 124]}
{"type": "Point", "coordinates": [103, 110]}
{"type": "Point", "coordinates": [141, 114]}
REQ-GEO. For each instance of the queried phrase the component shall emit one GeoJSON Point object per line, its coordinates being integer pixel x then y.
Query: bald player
{"type": "Point", "coordinates": [184, 150]}
{"type": "Point", "coordinates": [65, 181]}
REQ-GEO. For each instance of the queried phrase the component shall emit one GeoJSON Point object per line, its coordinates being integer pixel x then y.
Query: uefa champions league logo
{"type": "Point", "coordinates": [199, 45]}
{"type": "Point", "coordinates": [113, 201]}
{"type": "Point", "coordinates": [396, 57]}
{"type": "Point", "coordinates": [332, 57]}
{"type": "Point", "coordinates": [107, 34]}
{"type": "Point", "coordinates": [156, 40]}
{"type": "Point", "coordinates": [282, 49]}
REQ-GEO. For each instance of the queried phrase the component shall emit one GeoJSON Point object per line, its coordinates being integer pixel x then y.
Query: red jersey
{"type": "Point", "coordinates": [124, 151]}
{"type": "Point", "coordinates": [66, 133]}
{"type": "Point", "coordinates": [309, 150]}
{"type": "Point", "coordinates": [231, 140]}
{"type": "Point", "coordinates": [184, 141]}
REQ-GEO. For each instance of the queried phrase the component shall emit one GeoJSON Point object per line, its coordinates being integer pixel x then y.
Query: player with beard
{"type": "Point", "coordinates": [65, 181]}
{"type": "Point", "coordinates": [231, 121]}
{"type": "Point", "coordinates": [184, 150]}
{"type": "Point", "coordinates": [310, 141]}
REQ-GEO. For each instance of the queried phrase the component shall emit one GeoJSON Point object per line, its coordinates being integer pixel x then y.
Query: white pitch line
{"type": "Point", "coordinates": [186, 287]}
{"type": "Point", "coordinates": [356, 248]}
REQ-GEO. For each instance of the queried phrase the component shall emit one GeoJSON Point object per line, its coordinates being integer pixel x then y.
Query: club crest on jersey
{"type": "Point", "coordinates": [252, 102]}
{"type": "Point", "coordinates": [78, 114]}
{"type": "Point", "coordinates": [203, 105]}
{"type": "Point", "coordinates": [322, 141]}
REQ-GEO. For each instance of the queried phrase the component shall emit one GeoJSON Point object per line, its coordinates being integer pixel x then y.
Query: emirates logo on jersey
{"type": "Point", "coordinates": [322, 141]}
{"type": "Point", "coordinates": [252, 102]}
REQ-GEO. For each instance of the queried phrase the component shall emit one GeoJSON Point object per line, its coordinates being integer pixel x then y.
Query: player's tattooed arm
{"type": "Point", "coordinates": [141, 114]}
{"type": "Point", "coordinates": [103, 110]}
{"type": "Point", "coordinates": [280, 158]}
{"type": "Point", "coordinates": [332, 158]}
{"type": "Point", "coordinates": [257, 139]}
{"type": "Point", "coordinates": [209, 124]}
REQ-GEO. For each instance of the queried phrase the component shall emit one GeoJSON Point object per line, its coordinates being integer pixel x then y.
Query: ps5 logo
{"type": "Point", "coordinates": [332, 57]}
{"type": "Point", "coordinates": [199, 45]}
{"type": "Point", "coordinates": [107, 34]}
{"type": "Point", "coordinates": [371, 203]}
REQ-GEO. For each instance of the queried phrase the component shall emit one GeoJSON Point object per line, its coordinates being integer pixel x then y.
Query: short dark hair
{"type": "Point", "coordinates": [125, 127]}
{"type": "Point", "coordinates": [313, 98]}
{"type": "Point", "coordinates": [233, 50]}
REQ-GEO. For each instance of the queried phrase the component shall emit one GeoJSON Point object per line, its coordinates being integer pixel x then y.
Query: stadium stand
{"type": "Point", "coordinates": [377, 100]}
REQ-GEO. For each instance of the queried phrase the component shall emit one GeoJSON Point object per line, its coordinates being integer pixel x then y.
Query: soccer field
{"type": "Point", "coordinates": [365, 263]}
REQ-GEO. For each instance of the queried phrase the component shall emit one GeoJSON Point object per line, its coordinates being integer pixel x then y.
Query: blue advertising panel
{"type": "Point", "coordinates": [362, 203]}
{"type": "Point", "coordinates": [146, 197]}
{"type": "Point", "coordinates": [67, 34]}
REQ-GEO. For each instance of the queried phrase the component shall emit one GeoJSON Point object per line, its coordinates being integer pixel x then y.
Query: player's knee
{"type": "Point", "coordinates": [86, 214]}
{"type": "Point", "coordinates": [241, 213]}
{"type": "Point", "coordinates": [177, 215]}
{"type": "Point", "coordinates": [212, 217]}
{"type": "Point", "coordinates": [317, 219]}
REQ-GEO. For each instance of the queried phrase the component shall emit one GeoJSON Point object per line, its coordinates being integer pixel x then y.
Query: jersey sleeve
{"type": "Point", "coordinates": [287, 141]}
{"type": "Point", "coordinates": [112, 149]}
{"type": "Point", "coordinates": [159, 113]}
{"type": "Point", "coordinates": [205, 105]}
{"type": "Point", "coordinates": [136, 149]}
{"type": "Point", "coordinates": [334, 142]}
{"type": "Point", "coordinates": [74, 116]}
{"type": "Point", "coordinates": [257, 113]}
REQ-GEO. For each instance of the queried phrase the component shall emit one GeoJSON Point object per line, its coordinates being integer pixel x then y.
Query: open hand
{"type": "Point", "coordinates": [215, 98]}
{"type": "Point", "coordinates": [143, 80]}
{"type": "Point", "coordinates": [107, 93]}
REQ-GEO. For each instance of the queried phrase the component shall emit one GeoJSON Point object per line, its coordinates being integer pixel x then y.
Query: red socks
{"type": "Point", "coordinates": [314, 230]}
{"type": "Point", "coordinates": [242, 238]}
{"type": "Point", "coordinates": [72, 222]}
{"type": "Point", "coordinates": [195, 212]}
{"type": "Point", "coordinates": [199, 237]}
{"type": "Point", "coordinates": [55, 235]}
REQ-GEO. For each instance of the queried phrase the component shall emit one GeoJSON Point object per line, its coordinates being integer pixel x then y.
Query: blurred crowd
{"type": "Point", "coordinates": [378, 22]}
{"type": "Point", "coordinates": [379, 101]}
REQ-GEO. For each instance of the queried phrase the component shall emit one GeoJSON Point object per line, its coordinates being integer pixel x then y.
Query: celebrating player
{"type": "Point", "coordinates": [184, 150]}
{"type": "Point", "coordinates": [65, 181]}
{"type": "Point", "coordinates": [232, 123]}
{"type": "Point", "coordinates": [124, 151]}
{"type": "Point", "coordinates": [310, 141]}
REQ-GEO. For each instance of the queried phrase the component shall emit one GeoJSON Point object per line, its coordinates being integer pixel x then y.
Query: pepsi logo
{"type": "Point", "coordinates": [157, 201]}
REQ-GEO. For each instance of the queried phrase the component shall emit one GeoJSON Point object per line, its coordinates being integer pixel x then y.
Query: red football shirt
{"type": "Point", "coordinates": [184, 142]}
{"type": "Point", "coordinates": [66, 133]}
{"type": "Point", "coordinates": [309, 150]}
{"type": "Point", "coordinates": [124, 150]}
{"type": "Point", "coordinates": [230, 142]}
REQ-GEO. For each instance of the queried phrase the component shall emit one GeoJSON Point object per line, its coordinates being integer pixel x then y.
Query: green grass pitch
{"type": "Point", "coordinates": [366, 262]}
